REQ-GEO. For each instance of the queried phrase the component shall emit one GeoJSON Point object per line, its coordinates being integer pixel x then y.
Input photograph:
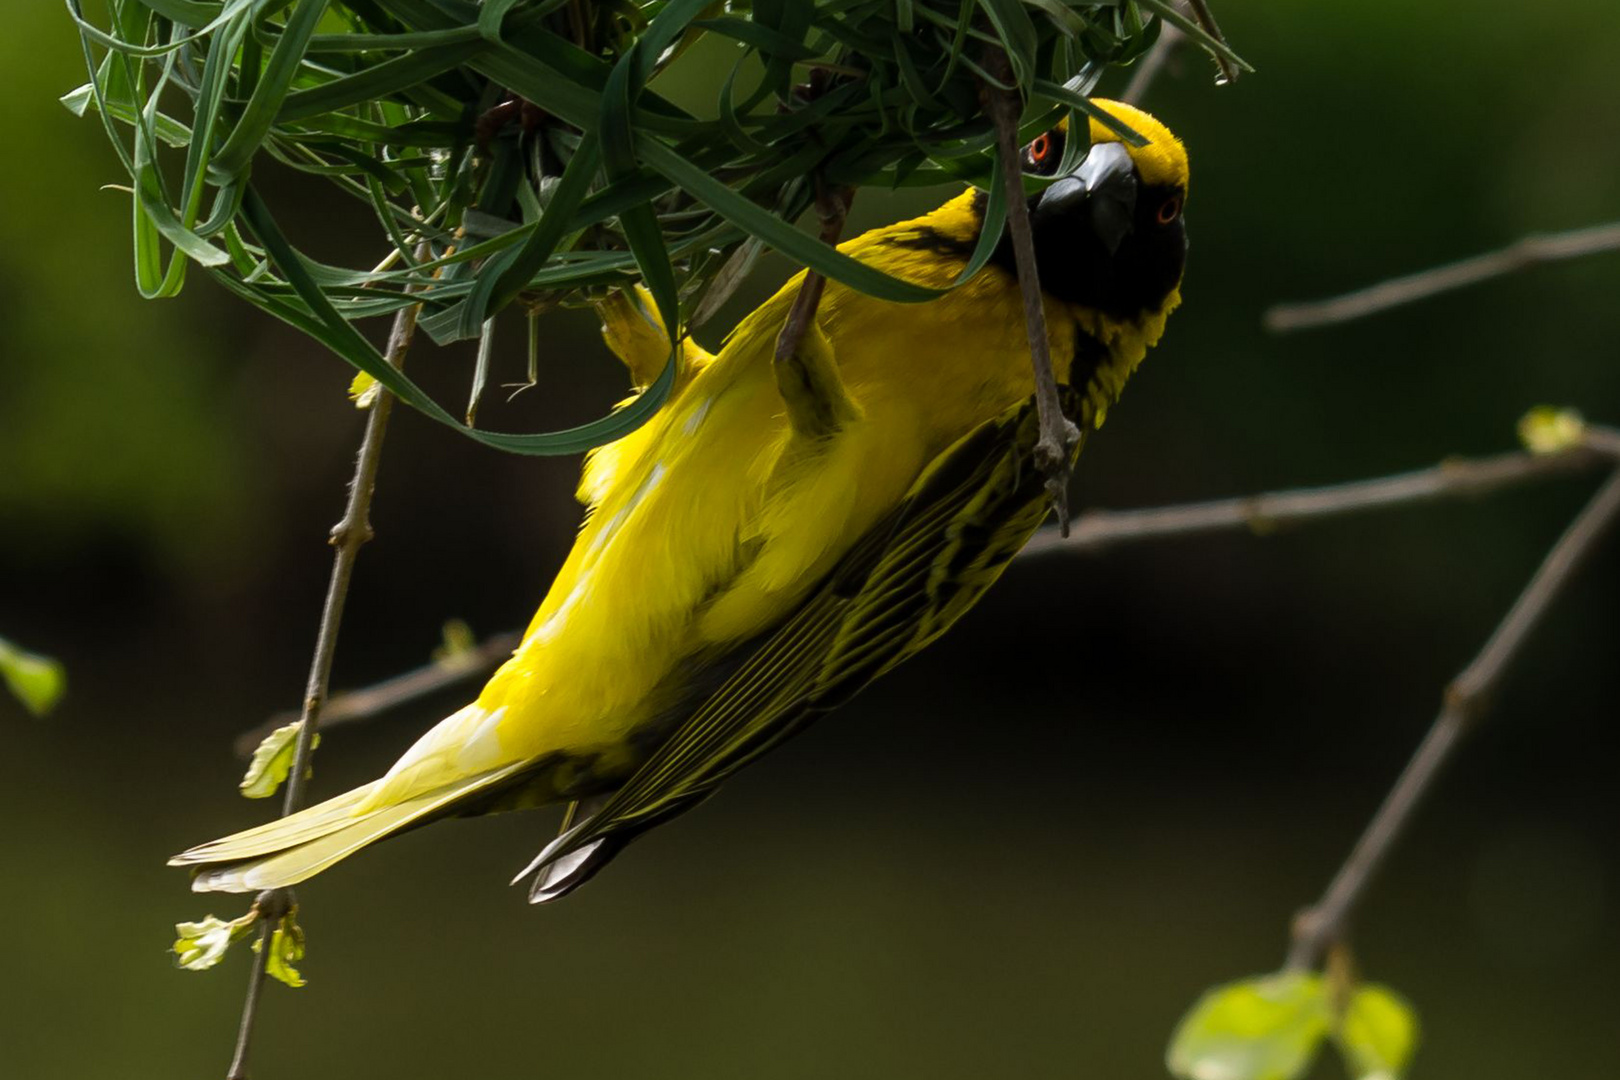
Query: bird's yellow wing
{"type": "Point", "coordinates": [899, 588]}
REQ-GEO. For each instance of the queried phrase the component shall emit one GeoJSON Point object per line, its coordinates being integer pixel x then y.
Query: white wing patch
{"type": "Point", "coordinates": [693, 421]}
{"type": "Point", "coordinates": [654, 478]}
{"type": "Point", "coordinates": [553, 625]}
{"type": "Point", "coordinates": [607, 532]}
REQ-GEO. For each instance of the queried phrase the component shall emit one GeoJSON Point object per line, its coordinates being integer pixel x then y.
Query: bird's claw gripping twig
{"type": "Point", "coordinates": [1054, 456]}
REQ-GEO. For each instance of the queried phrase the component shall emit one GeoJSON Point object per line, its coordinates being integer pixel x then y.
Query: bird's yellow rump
{"type": "Point", "coordinates": [780, 534]}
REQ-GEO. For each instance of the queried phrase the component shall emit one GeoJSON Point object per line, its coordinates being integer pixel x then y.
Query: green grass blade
{"type": "Point", "coordinates": [1017, 33]}
{"type": "Point", "coordinates": [779, 234]}
{"type": "Point", "coordinates": [1059, 94]}
{"type": "Point", "coordinates": [260, 112]}
{"type": "Point", "coordinates": [1171, 14]}
{"type": "Point", "coordinates": [323, 322]}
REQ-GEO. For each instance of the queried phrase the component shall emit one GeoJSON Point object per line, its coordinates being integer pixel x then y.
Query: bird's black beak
{"type": "Point", "coordinates": [1103, 188]}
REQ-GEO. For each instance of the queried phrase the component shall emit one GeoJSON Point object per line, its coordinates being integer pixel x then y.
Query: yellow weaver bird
{"type": "Point", "coordinates": [781, 534]}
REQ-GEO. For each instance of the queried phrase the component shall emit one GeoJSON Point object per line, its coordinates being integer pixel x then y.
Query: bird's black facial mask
{"type": "Point", "coordinates": [1103, 239]}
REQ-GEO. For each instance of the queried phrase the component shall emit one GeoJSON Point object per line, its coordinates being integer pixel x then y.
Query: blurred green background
{"type": "Point", "coordinates": [1026, 853]}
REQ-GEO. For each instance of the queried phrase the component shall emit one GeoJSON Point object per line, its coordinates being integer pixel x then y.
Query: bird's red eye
{"type": "Point", "coordinates": [1041, 149]}
{"type": "Point", "coordinates": [1170, 209]}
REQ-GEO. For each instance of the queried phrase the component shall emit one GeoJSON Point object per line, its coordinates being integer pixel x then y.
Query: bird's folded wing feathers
{"type": "Point", "coordinates": [900, 587]}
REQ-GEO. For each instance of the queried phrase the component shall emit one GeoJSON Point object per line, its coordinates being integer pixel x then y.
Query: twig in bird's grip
{"type": "Point", "coordinates": [1058, 434]}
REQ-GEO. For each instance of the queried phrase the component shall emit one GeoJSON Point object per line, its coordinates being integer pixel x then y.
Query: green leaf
{"type": "Point", "coordinates": [490, 17]}
{"type": "Point", "coordinates": [661, 33]}
{"type": "Point", "coordinates": [322, 321]}
{"type": "Point", "coordinates": [1064, 17]}
{"type": "Point", "coordinates": [768, 41]}
{"type": "Point", "coordinates": [1168, 11]}
{"type": "Point", "coordinates": [1377, 1035]}
{"type": "Point", "coordinates": [780, 234]}
{"type": "Point", "coordinates": [554, 221]}
{"type": "Point", "coordinates": [378, 81]}
{"type": "Point", "coordinates": [185, 12]}
{"type": "Point", "coordinates": [1017, 32]}
{"type": "Point", "coordinates": [273, 761]}
{"type": "Point", "coordinates": [82, 99]}
{"type": "Point", "coordinates": [286, 949]}
{"type": "Point", "coordinates": [37, 681]}
{"type": "Point", "coordinates": [388, 101]}
{"type": "Point", "coordinates": [1265, 1028]}
{"type": "Point", "coordinates": [1046, 90]}
{"type": "Point", "coordinates": [995, 219]}
{"type": "Point", "coordinates": [639, 223]}
{"type": "Point", "coordinates": [261, 109]}
{"type": "Point", "coordinates": [198, 946]}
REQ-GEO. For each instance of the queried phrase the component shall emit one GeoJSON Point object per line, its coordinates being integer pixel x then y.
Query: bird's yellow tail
{"type": "Point", "coordinates": [293, 848]}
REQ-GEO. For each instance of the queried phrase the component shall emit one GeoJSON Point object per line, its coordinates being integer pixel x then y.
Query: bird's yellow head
{"type": "Point", "coordinates": [1110, 234]}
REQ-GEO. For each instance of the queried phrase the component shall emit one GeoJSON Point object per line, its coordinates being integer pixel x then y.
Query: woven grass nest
{"type": "Point", "coordinates": [520, 151]}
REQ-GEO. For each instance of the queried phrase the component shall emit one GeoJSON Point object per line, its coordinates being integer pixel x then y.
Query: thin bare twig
{"type": "Point", "coordinates": [1058, 434]}
{"type": "Point", "coordinates": [1149, 67]}
{"type": "Point", "coordinates": [1095, 530]}
{"type": "Point", "coordinates": [350, 706]}
{"type": "Point", "coordinates": [1206, 19]}
{"type": "Point", "coordinates": [1532, 250]}
{"type": "Point", "coordinates": [1464, 701]}
{"type": "Point", "coordinates": [350, 534]}
{"type": "Point", "coordinates": [1153, 64]}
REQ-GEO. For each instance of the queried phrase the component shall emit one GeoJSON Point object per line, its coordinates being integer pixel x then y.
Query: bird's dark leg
{"type": "Point", "coordinates": [635, 333]}
{"type": "Point", "coordinates": [818, 403]}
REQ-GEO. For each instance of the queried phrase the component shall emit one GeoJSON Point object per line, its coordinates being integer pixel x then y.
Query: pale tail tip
{"type": "Point", "coordinates": [202, 853]}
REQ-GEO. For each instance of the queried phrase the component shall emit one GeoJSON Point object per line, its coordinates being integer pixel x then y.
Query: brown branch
{"type": "Point", "coordinates": [1529, 251]}
{"type": "Point", "coordinates": [1465, 700]}
{"type": "Point", "coordinates": [1095, 530]}
{"type": "Point", "coordinates": [1058, 434]}
{"type": "Point", "coordinates": [348, 536]}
